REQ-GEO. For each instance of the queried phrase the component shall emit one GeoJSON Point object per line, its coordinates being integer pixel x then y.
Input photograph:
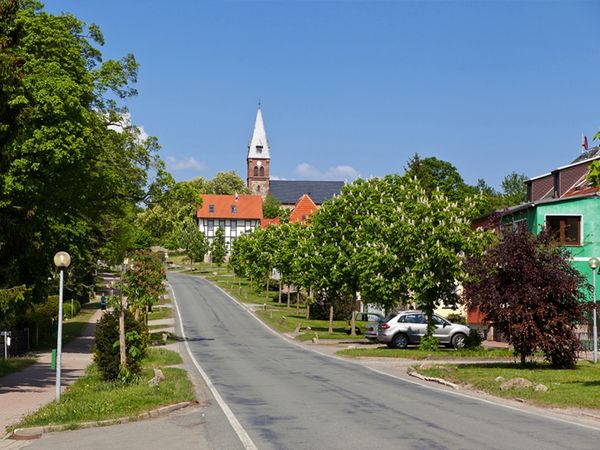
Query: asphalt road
{"type": "Point", "coordinates": [285, 397]}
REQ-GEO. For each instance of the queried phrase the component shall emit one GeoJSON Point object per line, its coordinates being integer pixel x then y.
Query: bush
{"type": "Point", "coordinates": [67, 305]}
{"type": "Point", "coordinates": [429, 344]}
{"type": "Point", "coordinates": [106, 349]}
{"type": "Point", "coordinates": [457, 318]}
{"type": "Point", "coordinates": [342, 305]}
{"type": "Point", "coordinates": [474, 339]}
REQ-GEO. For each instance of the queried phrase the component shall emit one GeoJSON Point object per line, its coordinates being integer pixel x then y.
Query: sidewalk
{"type": "Point", "coordinates": [27, 390]}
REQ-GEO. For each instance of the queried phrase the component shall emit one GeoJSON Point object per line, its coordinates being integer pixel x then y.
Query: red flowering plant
{"type": "Point", "coordinates": [143, 281]}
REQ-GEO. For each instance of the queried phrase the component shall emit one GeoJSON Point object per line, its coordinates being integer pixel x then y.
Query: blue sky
{"type": "Point", "coordinates": [354, 88]}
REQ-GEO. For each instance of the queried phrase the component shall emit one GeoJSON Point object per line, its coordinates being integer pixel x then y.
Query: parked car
{"type": "Point", "coordinates": [398, 330]}
{"type": "Point", "coordinates": [361, 321]}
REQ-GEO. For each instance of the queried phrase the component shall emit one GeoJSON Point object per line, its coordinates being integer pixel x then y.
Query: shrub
{"type": "Point", "coordinates": [474, 339]}
{"type": "Point", "coordinates": [429, 344]}
{"type": "Point", "coordinates": [457, 318]}
{"type": "Point", "coordinates": [71, 308]}
{"type": "Point", "coordinates": [342, 305]}
{"type": "Point", "coordinates": [106, 349]}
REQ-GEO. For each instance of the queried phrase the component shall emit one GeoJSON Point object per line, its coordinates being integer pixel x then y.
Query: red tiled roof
{"type": "Point", "coordinates": [304, 208]}
{"type": "Point", "coordinates": [264, 223]}
{"type": "Point", "coordinates": [230, 207]}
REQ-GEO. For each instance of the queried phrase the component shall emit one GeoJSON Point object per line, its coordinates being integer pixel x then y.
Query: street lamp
{"type": "Point", "coordinates": [62, 261]}
{"type": "Point", "coordinates": [594, 263]}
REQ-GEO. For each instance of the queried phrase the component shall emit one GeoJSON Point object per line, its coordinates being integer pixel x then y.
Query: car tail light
{"type": "Point", "coordinates": [384, 326]}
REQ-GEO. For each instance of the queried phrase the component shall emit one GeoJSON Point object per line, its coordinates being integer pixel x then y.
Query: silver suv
{"type": "Point", "coordinates": [398, 330]}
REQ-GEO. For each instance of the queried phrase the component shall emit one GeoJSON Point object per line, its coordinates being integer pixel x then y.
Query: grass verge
{"type": "Point", "coordinates": [578, 387]}
{"type": "Point", "coordinates": [415, 353]}
{"type": "Point", "coordinates": [14, 365]}
{"type": "Point", "coordinates": [90, 398]}
{"type": "Point", "coordinates": [160, 313]}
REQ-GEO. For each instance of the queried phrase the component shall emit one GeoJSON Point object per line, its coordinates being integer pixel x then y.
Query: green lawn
{"type": "Point", "coordinates": [415, 353]}
{"type": "Point", "coordinates": [160, 313]}
{"type": "Point", "coordinates": [14, 365]}
{"type": "Point", "coordinates": [90, 398]}
{"type": "Point", "coordinates": [579, 387]}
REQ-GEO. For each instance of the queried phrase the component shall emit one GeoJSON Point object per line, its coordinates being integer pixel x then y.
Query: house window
{"type": "Point", "coordinates": [222, 224]}
{"type": "Point", "coordinates": [262, 171]}
{"type": "Point", "coordinates": [233, 209]}
{"type": "Point", "coordinates": [259, 148]}
{"type": "Point", "coordinates": [233, 228]}
{"type": "Point", "coordinates": [565, 230]}
{"type": "Point", "coordinates": [211, 209]}
{"type": "Point", "coordinates": [255, 171]}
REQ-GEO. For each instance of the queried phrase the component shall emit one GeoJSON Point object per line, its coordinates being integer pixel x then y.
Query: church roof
{"type": "Point", "coordinates": [259, 145]}
{"type": "Point", "coordinates": [288, 192]}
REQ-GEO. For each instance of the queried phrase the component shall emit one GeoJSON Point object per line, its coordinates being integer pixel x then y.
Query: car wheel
{"type": "Point", "coordinates": [458, 340]}
{"type": "Point", "coordinates": [400, 341]}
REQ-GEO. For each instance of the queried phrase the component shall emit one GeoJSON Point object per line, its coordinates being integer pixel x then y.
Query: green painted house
{"type": "Point", "coordinates": [566, 203]}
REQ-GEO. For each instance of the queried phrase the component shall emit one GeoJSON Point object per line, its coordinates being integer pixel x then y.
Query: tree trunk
{"type": "Point", "coordinates": [330, 319]}
{"type": "Point", "coordinates": [353, 318]}
{"type": "Point", "coordinates": [268, 281]}
{"type": "Point", "coordinates": [297, 300]}
{"type": "Point", "coordinates": [137, 314]}
{"type": "Point", "coordinates": [288, 295]}
{"type": "Point", "coordinates": [122, 349]}
{"type": "Point", "coordinates": [279, 290]}
{"type": "Point", "coordinates": [307, 311]}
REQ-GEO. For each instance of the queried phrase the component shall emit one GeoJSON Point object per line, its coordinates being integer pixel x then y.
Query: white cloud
{"type": "Point", "coordinates": [275, 177]}
{"type": "Point", "coordinates": [125, 122]}
{"type": "Point", "coordinates": [338, 173]}
{"type": "Point", "coordinates": [187, 163]}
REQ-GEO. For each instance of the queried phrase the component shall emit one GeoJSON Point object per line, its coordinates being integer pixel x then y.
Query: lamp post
{"type": "Point", "coordinates": [594, 263]}
{"type": "Point", "coordinates": [62, 261]}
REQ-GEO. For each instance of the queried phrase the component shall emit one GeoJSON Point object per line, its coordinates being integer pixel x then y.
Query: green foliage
{"type": "Point", "coordinates": [514, 189]}
{"type": "Point", "coordinates": [526, 287]}
{"type": "Point", "coordinates": [593, 175]}
{"type": "Point", "coordinates": [193, 241]}
{"type": "Point", "coordinates": [11, 300]}
{"type": "Point", "coordinates": [457, 318]}
{"type": "Point", "coordinates": [72, 165]}
{"type": "Point", "coordinates": [429, 344]}
{"type": "Point", "coordinates": [474, 339]}
{"type": "Point", "coordinates": [217, 248]}
{"type": "Point", "coordinates": [106, 349]}
{"type": "Point", "coordinates": [271, 207]}
{"type": "Point", "coordinates": [227, 183]}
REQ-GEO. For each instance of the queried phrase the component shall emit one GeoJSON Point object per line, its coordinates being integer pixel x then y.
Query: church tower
{"type": "Point", "coordinates": [258, 159]}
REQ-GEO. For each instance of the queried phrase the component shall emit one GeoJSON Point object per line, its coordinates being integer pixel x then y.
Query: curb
{"type": "Point", "coordinates": [413, 373]}
{"type": "Point", "coordinates": [36, 432]}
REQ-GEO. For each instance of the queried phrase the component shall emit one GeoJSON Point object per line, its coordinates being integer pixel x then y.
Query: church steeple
{"type": "Point", "coordinates": [259, 158]}
{"type": "Point", "coordinates": [259, 145]}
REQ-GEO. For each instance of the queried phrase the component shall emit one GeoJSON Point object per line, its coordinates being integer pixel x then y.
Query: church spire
{"type": "Point", "coordinates": [259, 146]}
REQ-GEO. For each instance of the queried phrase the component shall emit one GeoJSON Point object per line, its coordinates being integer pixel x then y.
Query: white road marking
{"type": "Point", "coordinates": [239, 429]}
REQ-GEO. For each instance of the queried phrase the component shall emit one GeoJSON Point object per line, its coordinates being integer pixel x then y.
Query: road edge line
{"type": "Point", "coordinates": [237, 426]}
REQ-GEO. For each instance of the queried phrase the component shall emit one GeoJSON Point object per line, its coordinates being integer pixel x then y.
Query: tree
{"type": "Point", "coordinates": [72, 164]}
{"type": "Point", "coordinates": [434, 173]}
{"type": "Point", "coordinates": [392, 240]}
{"type": "Point", "coordinates": [143, 281]}
{"type": "Point", "coordinates": [193, 241]}
{"type": "Point", "coordinates": [227, 183]}
{"type": "Point", "coordinates": [526, 287]}
{"type": "Point", "coordinates": [217, 248]}
{"type": "Point", "coordinates": [514, 189]}
{"type": "Point", "coordinates": [271, 207]}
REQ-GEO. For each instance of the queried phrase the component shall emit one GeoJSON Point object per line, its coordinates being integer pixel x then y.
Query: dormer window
{"type": "Point", "coordinates": [211, 209]}
{"type": "Point", "coordinates": [233, 209]}
{"type": "Point", "coordinates": [259, 148]}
